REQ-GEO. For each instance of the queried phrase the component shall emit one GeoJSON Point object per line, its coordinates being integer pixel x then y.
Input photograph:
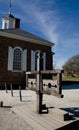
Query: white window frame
{"type": "Point", "coordinates": [10, 59]}
{"type": "Point", "coordinates": [23, 60]}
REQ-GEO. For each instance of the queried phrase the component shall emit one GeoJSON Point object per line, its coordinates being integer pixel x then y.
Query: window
{"type": "Point", "coordinates": [5, 25]}
{"type": "Point", "coordinates": [17, 59]}
{"type": "Point", "coordinates": [34, 60]}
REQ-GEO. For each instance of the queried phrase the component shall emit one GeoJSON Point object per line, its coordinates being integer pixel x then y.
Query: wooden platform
{"type": "Point", "coordinates": [50, 121]}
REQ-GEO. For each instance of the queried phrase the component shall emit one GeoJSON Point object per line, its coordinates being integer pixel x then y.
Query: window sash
{"type": "Point", "coordinates": [17, 59]}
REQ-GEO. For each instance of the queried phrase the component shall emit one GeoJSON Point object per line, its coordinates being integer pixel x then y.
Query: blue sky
{"type": "Point", "coordinates": [54, 20]}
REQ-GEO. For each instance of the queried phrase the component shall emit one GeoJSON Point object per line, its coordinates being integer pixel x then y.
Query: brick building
{"type": "Point", "coordinates": [18, 50]}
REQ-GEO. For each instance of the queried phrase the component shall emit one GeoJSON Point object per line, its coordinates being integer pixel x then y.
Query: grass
{"type": "Point", "coordinates": [68, 78]}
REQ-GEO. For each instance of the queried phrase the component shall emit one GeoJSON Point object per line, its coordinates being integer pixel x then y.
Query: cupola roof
{"type": "Point", "coordinates": [8, 16]}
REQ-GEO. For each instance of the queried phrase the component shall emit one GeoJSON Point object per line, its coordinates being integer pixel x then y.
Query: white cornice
{"type": "Point", "coordinates": [9, 35]}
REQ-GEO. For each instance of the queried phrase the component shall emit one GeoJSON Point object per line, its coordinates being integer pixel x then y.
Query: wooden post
{"type": "Point", "coordinates": [41, 108]}
{"type": "Point", "coordinates": [11, 89]}
{"type": "Point", "coordinates": [39, 94]}
{"type": "Point", "coordinates": [26, 81]}
{"type": "Point", "coordinates": [20, 95]}
{"type": "Point", "coordinates": [6, 87]}
{"type": "Point", "coordinates": [59, 75]}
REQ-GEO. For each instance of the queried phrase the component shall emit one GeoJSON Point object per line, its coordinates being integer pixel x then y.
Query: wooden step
{"type": "Point", "coordinates": [60, 114]}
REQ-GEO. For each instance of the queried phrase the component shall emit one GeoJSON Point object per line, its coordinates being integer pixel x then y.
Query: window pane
{"type": "Point", "coordinates": [17, 59]}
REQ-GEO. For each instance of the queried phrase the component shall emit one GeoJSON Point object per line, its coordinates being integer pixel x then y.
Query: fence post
{"type": "Point", "coordinates": [59, 76]}
{"type": "Point", "coordinates": [26, 81]}
{"type": "Point", "coordinates": [11, 89]}
{"type": "Point", "coordinates": [20, 95]}
{"type": "Point", "coordinates": [6, 87]}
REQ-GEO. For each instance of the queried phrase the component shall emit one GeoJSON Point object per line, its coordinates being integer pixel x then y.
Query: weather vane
{"type": "Point", "coordinates": [10, 5]}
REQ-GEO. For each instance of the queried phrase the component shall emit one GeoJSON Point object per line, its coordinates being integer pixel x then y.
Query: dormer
{"type": "Point", "coordinates": [9, 21]}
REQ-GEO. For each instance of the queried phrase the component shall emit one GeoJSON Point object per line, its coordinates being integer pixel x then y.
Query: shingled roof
{"type": "Point", "coordinates": [24, 35]}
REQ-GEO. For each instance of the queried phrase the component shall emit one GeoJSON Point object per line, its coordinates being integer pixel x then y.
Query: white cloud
{"type": "Point", "coordinates": [47, 22]}
{"type": "Point", "coordinates": [41, 19]}
{"type": "Point", "coordinates": [45, 25]}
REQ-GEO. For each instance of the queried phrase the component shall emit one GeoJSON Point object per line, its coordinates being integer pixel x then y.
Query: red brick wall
{"type": "Point", "coordinates": [7, 76]}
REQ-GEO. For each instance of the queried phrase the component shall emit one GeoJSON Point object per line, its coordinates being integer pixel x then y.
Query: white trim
{"type": "Point", "coordinates": [47, 43]}
{"type": "Point", "coordinates": [17, 47]}
{"type": "Point", "coordinates": [32, 60]}
{"type": "Point", "coordinates": [10, 58]}
{"type": "Point", "coordinates": [24, 60]}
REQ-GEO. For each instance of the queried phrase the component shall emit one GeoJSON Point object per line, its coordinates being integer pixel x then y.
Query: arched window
{"type": "Point", "coordinates": [5, 25]}
{"type": "Point", "coordinates": [34, 60]}
{"type": "Point", "coordinates": [17, 59]}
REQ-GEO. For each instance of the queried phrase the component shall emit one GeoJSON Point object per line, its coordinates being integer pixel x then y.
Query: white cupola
{"type": "Point", "coordinates": [9, 21]}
